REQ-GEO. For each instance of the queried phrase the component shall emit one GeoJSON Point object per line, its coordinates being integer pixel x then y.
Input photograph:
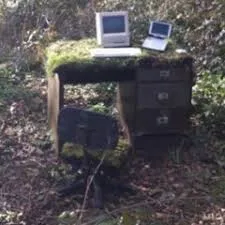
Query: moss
{"type": "Point", "coordinates": [73, 150]}
{"type": "Point", "coordinates": [113, 157]}
{"type": "Point", "coordinates": [64, 52]}
{"type": "Point", "coordinates": [76, 55]}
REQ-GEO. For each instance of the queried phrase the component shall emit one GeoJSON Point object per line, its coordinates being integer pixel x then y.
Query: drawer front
{"type": "Point", "coordinates": [170, 74]}
{"type": "Point", "coordinates": [161, 121]}
{"type": "Point", "coordinates": [169, 95]}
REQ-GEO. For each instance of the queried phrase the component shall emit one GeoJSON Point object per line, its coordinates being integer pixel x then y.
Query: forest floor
{"type": "Point", "coordinates": [187, 190]}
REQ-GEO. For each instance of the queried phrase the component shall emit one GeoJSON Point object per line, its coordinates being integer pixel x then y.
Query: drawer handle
{"type": "Point", "coordinates": [162, 120]}
{"type": "Point", "coordinates": [162, 96]}
{"type": "Point", "coordinates": [164, 74]}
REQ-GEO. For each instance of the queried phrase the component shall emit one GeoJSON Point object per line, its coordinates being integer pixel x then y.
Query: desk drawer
{"type": "Point", "coordinates": [170, 74]}
{"type": "Point", "coordinates": [161, 121]}
{"type": "Point", "coordinates": [164, 95]}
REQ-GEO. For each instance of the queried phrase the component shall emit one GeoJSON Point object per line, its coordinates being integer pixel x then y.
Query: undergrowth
{"type": "Point", "coordinates": [209, 101]}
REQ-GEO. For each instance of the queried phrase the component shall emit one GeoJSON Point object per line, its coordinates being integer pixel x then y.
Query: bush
{"type": "Point", "coordinates": [27, 26]}
{"type": "Point", "coordinates": [209, 100]}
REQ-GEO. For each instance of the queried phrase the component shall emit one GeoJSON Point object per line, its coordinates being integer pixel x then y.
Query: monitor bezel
{"type": "Point", "coordinates": [115, 13]}
{"type": "Point", "coordinates": [160, 35]}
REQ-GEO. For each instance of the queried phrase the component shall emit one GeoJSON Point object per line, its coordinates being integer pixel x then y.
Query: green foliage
{"type": "Point", "coordinates": [73, 150]}
{"type": "Point", "coordinates": [104, 99]}
{"type": "Point", "coordinates": [105, 91]}
{"type": "Point", "coordinates": [209, 99]}
{"type": "Point", "coordinates": [8, 89]}
{"type": "Point", "coordinates": [27, 26]}
{"type": "Point", "coordinates": [11, 92]}
{"type": "Point", "coordinates": [100, 107]}
{"type": "Point", "coordinates": [11, 88]}
{"type": "Point", "coordinates": [63, 52]}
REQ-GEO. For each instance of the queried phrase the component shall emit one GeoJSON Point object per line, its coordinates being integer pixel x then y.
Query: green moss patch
{"type": "Point", "coordinates": [114, 157]}
{"type": "Point", "coordinates": [74, 56]}
{"type": "Point", "coordinates": [65, 52]}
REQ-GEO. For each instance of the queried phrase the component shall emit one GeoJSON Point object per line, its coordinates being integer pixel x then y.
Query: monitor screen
{"type": "Point", "coordinates": [113, 24]}
{"type": "Point", "coordinates": [160, 28]}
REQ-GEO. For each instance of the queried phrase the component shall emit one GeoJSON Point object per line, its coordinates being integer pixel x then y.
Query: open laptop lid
{"type": "Point", "coordinates": [160, 29]}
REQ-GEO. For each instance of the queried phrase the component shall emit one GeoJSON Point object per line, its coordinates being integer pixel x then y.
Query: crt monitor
{"type": "Point", "coordinates": [160, 29]}
{"type": "Point", "coordinates": [112, 29]}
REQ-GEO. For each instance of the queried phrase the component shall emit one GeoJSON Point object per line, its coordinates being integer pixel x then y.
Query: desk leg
{"type": "Point", "coordinates": [55, 102]}
{"type": "Point", "coordinates": [126, 97]}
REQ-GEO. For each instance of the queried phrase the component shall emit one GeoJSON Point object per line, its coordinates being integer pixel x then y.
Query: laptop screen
{"type": "Point", "coordinates": [161, 29]}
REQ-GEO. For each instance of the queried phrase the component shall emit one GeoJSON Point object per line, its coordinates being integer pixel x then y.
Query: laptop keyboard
{"type": "Point", "coordinates": [155, 43]}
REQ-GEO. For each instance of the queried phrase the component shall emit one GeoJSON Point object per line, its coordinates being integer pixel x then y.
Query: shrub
{"type": "Point", "coordinates": [209, 100]}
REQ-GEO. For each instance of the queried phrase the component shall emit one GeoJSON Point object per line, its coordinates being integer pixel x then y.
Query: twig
{"type": "Point", "coordinates": [3, 127]}
{"type": "Point", "coordinates": [130, 207]}
{"type": "Point", "coordinates": [88, 187]}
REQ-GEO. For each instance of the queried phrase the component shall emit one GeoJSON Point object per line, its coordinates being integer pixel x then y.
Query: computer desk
{"type": "Point", "coordinates": [154, 90]}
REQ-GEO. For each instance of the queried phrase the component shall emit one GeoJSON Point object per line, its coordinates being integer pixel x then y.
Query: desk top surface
{"type": "Point", "coordinates": [74, 56]}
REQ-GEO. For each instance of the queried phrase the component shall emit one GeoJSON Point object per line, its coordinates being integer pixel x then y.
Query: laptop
{"type": "Point", "coordinates": [158, 35]}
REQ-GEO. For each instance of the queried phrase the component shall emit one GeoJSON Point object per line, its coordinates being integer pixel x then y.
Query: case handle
{"type": "Point", "coordinates": [162, 120]}
{"type": "Point", "coordinates": [163, 96]}
{"type": "Point", "coordinates": [164, 74]}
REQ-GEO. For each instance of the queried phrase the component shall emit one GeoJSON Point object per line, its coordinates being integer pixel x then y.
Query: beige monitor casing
{"type": "Point", "coordinates": [112, 39]}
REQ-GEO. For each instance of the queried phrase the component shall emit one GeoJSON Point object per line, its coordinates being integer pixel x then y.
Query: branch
{"type": "Point", "coordinates": [88, 188]}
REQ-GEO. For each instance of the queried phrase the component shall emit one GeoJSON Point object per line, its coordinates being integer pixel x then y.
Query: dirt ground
{"type": "Point", "coordinates": [182, 190]}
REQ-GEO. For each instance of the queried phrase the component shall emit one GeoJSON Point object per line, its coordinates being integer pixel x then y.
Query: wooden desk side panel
{"type": "Point", "coordinates": [55, 102]}
{"type": "Point", "coordinates": [126, 100]}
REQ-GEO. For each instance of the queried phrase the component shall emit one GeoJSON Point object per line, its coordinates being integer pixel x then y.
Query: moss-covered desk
{"type": "Point", "coordinates": [154, 94]}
